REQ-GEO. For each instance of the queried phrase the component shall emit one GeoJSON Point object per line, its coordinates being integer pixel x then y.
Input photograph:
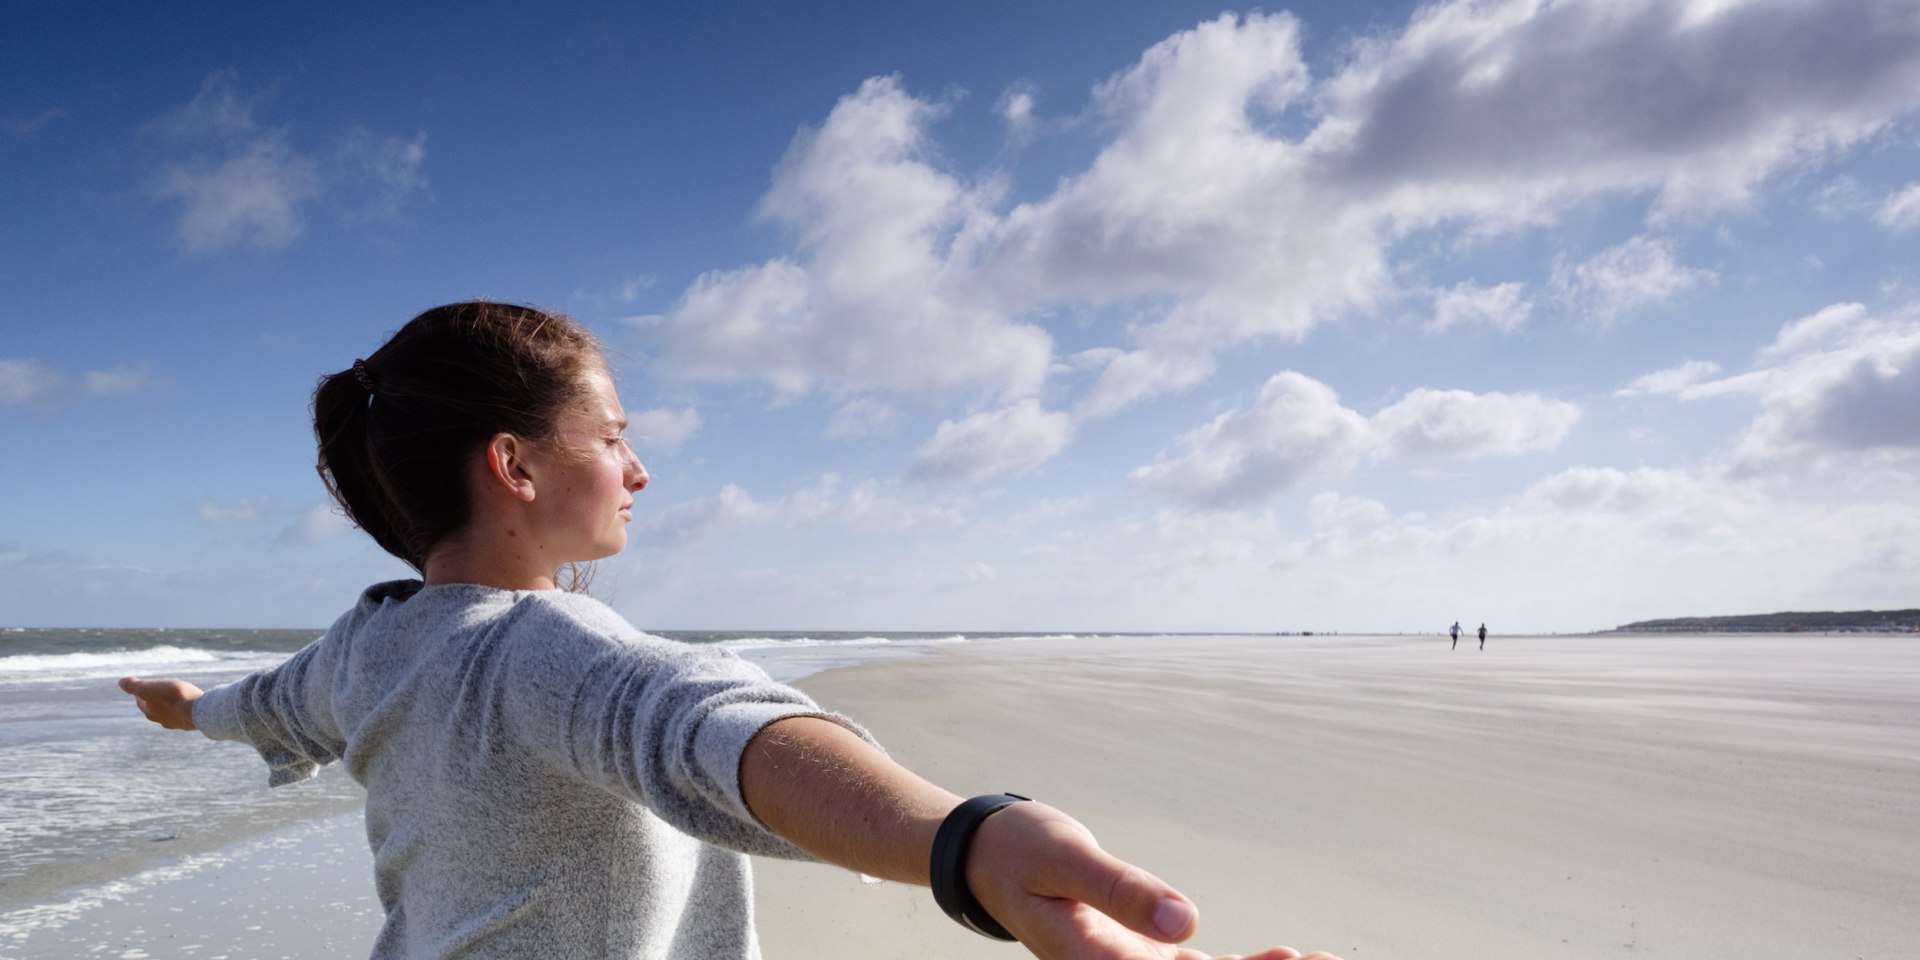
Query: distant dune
{"type": "Point", "coordinates": [1854, 621]}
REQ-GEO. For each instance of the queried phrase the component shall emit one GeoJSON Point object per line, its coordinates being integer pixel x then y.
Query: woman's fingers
{"type": "Point", "coordinates": [168, 703]}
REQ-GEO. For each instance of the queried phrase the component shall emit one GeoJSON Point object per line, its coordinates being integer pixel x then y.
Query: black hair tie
{"type": "Point", "coordinates": [361, 374]}
{"type": "Point", "coordinates": [949, 867]}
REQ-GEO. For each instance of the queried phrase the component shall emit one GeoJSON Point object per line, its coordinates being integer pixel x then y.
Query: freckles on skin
{"type": "Point", "coordinates": [511, 532]}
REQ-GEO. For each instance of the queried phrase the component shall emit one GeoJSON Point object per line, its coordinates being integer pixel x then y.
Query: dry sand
{"type": "Point", "coordinates": [1695, 798]}
{"type": "Point", "coordinates": [1691, 798]}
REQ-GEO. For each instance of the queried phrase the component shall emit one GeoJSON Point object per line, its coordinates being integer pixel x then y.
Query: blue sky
{"type": "Point", "coordinates": [1007, 316]}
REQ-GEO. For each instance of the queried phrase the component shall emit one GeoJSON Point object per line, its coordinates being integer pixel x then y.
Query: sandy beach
{"type": "Point", "coordinates": [1556, 797]}
{"type": "Point", "coordinates": [1375, 797]}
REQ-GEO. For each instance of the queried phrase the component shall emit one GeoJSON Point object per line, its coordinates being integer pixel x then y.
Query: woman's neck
{"type": "Point", "coordinates": [501, 562]}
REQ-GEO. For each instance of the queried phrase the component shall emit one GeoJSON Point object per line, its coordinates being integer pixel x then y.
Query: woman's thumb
{"type": "Point", "coordinates": [1139, 900]}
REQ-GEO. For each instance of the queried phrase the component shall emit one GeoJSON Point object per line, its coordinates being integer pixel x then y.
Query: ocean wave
{"type": "Point", "coordinates": [68, 666]}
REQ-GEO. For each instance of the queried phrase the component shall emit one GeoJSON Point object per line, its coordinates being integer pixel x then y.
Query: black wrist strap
{"type": "Point", "coordinates": [949, 866]}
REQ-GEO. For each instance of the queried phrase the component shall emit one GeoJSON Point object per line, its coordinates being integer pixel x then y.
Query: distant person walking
{"type": "Point", "coordinates": [1455, 632]}
{"type": "Point", "coordinates": [1483, 636]}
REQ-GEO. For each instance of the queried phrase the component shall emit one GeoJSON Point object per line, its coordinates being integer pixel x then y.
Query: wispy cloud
{"type": "Point", "coordinates": [28, 384]}
{"type": "Point", "coordinates": [1901, 211]}
{"type": "Point", "coordinates": [242, 183]}
{"type": "Point", "coordinates": [242, 510]}
{"type": "Point", "coordinates": [664, 428]}
{"type": "Point", "coordinates": [22, 126]}
{"type": "Point", "coordinates": [1503, 307]}
{"type": "Point", "coordinates": [1634, 274]}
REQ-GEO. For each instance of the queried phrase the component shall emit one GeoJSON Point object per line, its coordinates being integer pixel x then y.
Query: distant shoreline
{"type": "Point", "coordinates": [1854, 621]}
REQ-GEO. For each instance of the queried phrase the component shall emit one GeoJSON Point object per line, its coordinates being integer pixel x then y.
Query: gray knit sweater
{"type": "Point", "coordinates": [543, 780]}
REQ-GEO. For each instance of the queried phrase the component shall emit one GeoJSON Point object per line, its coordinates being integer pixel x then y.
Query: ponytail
{"type": "Point", "coordinates": [341, 410]}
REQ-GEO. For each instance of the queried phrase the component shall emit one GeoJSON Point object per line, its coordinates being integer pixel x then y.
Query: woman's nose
{"type": "Point", "coordinates": [637, 478]}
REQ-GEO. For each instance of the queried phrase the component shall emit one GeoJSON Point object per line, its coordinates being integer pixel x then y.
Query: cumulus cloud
{"type": "Point", "coordinates": [1015, 106]}
{"type": "Point", "coordinates": [878, 293]}
{"type": "Point", "coordinates": [1502, 307]}
{"type": "Point", "coordinates": [1297, 428]}
{"type": "Point", "coordinates": [29, 384]}
{"type": "Point", "coordinates": [1840, 380]}
{"type": "Point", "coordinates": [1633, 274]}
{"type": "Point", "coordinates": [243, 183]}
{"type": "Point", "coordinates": [664, 428]}
{"type": "Point", "coordinates": [1457, 424]}
{"type": "Point", "coordinates": [1239, 196]}
{"type": "Point", "coordinates": [1670, 380]}
{"type": "Point", "coordinates": [993, 444]}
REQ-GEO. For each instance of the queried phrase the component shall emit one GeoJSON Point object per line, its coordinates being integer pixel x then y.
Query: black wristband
{"type": "Point", "coordinates": [949, 867]}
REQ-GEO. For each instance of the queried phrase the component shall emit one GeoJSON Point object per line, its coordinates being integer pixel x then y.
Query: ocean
{"type": "Point", "coordinates": [95, 794]}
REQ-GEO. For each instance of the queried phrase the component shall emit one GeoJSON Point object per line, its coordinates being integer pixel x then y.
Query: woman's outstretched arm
{"type": "Point", "coordinates": [1038, 871]}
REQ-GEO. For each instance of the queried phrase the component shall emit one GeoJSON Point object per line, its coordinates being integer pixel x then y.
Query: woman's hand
{"type": "Point", "coordinates": [168, 703]}
{"type": "Point", "coordinates": [1040, 873]}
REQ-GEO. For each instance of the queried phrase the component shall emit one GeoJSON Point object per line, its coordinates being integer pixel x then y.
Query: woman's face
{"type": "Point", "coordinates": [585, 478]}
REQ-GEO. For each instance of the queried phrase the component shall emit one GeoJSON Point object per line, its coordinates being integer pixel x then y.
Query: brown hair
{"type": "Point", "coordinates": [396, 429]}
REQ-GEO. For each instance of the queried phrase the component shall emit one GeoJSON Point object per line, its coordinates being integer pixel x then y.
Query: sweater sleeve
{"type": "Point", "coordinates": [661, 723]}
{"type": "Point", "coordinates": [285, 712]}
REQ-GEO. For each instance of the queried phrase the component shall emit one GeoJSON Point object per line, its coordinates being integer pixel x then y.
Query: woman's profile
{"type": "Point", "coordinates": [542, 779]}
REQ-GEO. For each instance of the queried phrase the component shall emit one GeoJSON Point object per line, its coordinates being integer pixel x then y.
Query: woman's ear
{"type": "Point", "coordinates": [507, 467]}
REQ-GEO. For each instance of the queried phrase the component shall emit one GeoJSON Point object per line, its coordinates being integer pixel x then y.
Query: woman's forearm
{"type": "Point", "coordinates": [834, 795]}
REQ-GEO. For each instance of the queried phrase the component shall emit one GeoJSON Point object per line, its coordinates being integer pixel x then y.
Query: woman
{"type": "Point", "coordinates": [543, 779]}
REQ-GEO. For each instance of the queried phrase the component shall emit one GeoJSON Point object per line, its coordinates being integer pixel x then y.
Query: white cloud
{"type": "Point", "coordinates": [1901, 211]}
{"type": "Point", "coordinates": [118, 382]}
{"type": "Point", "coordinates": [22, 126]}
{"type": "Point", "coordinates": [1138, 374]}
{"type": "Point", "coordinates": [879, 293]}
{"type": "Point", "coordinates": [1501, 307]}
{"type": "Point", "coordinates": [1815, 328]}
{"type": "Point", "coordinates": [664, 428]}
{"type": "Point", "coordinates": [1838, 381]}
{"type": "Point", "coordinates": [1298, 428]}
{"type": "Point", "coordinates": [861, 417]}
{"type": "Point", "coordinates": [379, 174]}
{"type": "Point", "coordinates": [1331, 510]}
{"type": "Point", "coordinates": [1638, 272]}
{"type": "Point", "coordinates": [319, 522]}
{"type": "Point", "coordinates": [240, 183]}
{"type": "Point", "coordinates": [1241, 197]}
{"type": "Point", "coordinates": [828, 502]}
{"type": "Point", "coordinates": [1015, 106]}
{"type": "Point", "coordinates": [1456, 424]}
{"type": "Point", "coordinates": [27, 383]}
{"type": "Point", "coordinates": [1861, 397]}
{"type": "Point", "coordinates": [240, 511]}
{"type": "Point", "coordinates": [993, 444]}
{"type": "Point", "coordinates": [1670, 380]}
